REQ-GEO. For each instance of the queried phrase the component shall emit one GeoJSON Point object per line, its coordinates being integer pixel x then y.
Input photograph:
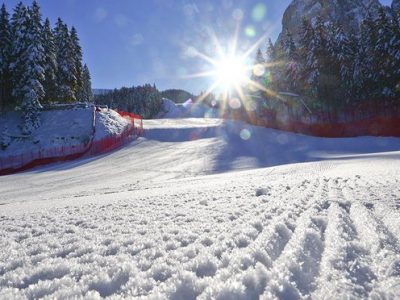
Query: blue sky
{"type": "Point", "coordinates": [131, 42]}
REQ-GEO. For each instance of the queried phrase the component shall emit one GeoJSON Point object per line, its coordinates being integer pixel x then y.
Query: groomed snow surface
{"type": "Point", "coordinates": [209, 209]}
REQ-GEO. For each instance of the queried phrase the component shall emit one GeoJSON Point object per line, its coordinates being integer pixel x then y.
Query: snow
{"type": "Point", "coordinates": [295, 217]}
{"type": "Point", "coordinates": [188, 109]}
{"type": "Point", "coordinates": [60, 128]}
{"type": "Point", "coordinates": [109, 123]}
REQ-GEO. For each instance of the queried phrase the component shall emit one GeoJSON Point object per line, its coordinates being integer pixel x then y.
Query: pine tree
{"type": "Point", "coordinates": [395, 53]}
{"type": "Point", "coordinates": [258, 71]}
{"type": "Point", "coordinates": [292, 64]}
{"type": "Point", "coordinates": [382, 55]}
{"type": "Point", "coordinates": [66, 80]}
{"type": "Point", "coordinates": [306, 56]}
{"type": "Point", "coordinates": [289, 47]}
{"type": "Point", "coordinates": [87, 94]}
{"type": "Point", "coordinates": [77, 55]}
{"type": "Point", "coordinates": [50, 67]}
{"type": "Point", "coordinates": [271, 53]}
{"type": "Point", "coordinates": [27, 67]}
{"type": "Point", "coordinates": [369, 39]}
{"type": "Point", "coordinates": [5, 48]}
{"type": "Point", "coordinates": [358, 75]}
{"type": "Point", "coordinates": [342, 49]}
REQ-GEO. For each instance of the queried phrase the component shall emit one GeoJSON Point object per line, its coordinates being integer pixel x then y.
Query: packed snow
{"type": "Point", "coordinates": [109, 123]}
{"type": "Point", "coordinates": [208, 209]}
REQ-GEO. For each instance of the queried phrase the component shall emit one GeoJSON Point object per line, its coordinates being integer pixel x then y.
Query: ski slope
{"type": "Point", "coordinates": [208, 209]}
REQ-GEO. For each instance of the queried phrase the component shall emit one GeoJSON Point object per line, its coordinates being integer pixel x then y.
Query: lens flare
{"type": "Point", "coordinates": [231, 71]}
{"type": "Point", "coordinates": [245, 134]}
{"type": "Point", "coordinates": [234, 103]}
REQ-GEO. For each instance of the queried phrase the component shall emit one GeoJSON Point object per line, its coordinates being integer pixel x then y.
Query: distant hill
{"type": "Point", "coordinates": [177, 95]}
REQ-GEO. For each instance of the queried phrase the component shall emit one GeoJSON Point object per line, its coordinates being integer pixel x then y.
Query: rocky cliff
{"type": "Point", "coordinates": [349, 13]}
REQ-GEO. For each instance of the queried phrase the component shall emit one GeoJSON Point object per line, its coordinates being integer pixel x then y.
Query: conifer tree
{"type": "Point", "coordinates": [305, 55]}
{"type": "Point", "coordinates": [258, 68]}
{"type": "Point", "coordinates": [271, 53]}
{"type": "Point", "coordinates": [395, 53]}
{"type": "Point", "coordinates": [343, 52]}
{"type": "Point", "coordinates": [66, 80]}
{"type": "Point", "coordinates": [87, 94]}
{"type": "Point", "coordinates": [382, 55]}
{"type": "Point", "coordinates": [5, 48]}
{"type": "Point", "coordinates": [50, 67]}
{"type": "Point", "coordinates": [27, 67]}
{"type": "Point", "coordinates": [292, 65]}
{"type": "Point", "coordinates": [77, 56]}
{"type": "Point", "coordinates": [369, 39]}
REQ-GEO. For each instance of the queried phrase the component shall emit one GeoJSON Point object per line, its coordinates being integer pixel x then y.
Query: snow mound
{"type": "Point", "coordinates": [59, 128]}
{"type": "Point", "coordinates": [188, 109]}
{"type": "Point", "coordinates": [109, 123]}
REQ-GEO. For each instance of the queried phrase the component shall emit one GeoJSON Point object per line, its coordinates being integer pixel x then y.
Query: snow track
{"type": "Point", "coordinates": [162, 218]}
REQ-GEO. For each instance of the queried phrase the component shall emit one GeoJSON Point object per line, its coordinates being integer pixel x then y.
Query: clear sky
{"type": "Point", "coordinates": [131, 42]}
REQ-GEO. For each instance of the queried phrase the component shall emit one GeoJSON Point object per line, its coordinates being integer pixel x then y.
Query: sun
{"type": "Point", "coordinates": [231, 72]}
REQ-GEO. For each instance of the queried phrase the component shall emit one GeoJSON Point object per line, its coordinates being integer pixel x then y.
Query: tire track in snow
{"type": "Point", "coordinates": [275, 232]}
{"type": "Point", "coordinates": [382, 244]}
{"type": "Point", "coordinates": [345, 264]}
{"type": "Point", "coordinates": [295, 270]}
{"type": "Point", "coordinates": [379, 195]}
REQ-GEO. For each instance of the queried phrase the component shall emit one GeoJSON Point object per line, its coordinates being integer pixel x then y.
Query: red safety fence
{"type": "Point", "coordinates": [17, 163]}
{"type": "Point", "coordinates": [378, 126]}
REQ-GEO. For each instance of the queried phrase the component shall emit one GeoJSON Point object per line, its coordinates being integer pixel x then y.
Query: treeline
{"type": "Point", "coordinates": [39, 64]}
{"type": "Point", "coordinates": [333, 69]}
{"type": "Point", "coordinates": [145, 100]}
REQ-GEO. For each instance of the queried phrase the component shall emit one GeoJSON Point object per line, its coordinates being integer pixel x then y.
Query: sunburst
{"type": "Point", "coordinates": [231, 72]}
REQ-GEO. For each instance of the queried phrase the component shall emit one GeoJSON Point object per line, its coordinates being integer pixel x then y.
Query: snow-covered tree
{"type": "Point", "coordinates": [369, 39]}
{"type": "Point", "coordinates": [271, 52]}
{"type": "Point", "coordinates": [50, 67]}
{"type": "Point", "coordinates": [66, 79]}
{"type": "Point", "coordinates": [5, 48]}
{"type": "Point", "coordinates": [28, 64]}
{"type": "Point", "coordinates": [78, 70]}
{"type": "Point", "coordinates": [258, 71]}
{"type": "Point", "coordinates": [395, 53]}
{"type": "Point", "coordinates": [87, 94]}
{"type": "Point", "coordinates": [305, 55]}
{"type": "Point", "coordinates": [292, 64]}
{"type": "Point", "coordinates": [382, 55]}
{"type": "Point", "coordinates": [343, 52]}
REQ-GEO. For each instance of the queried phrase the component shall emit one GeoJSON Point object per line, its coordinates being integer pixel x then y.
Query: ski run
{"type": "Point", "coordinates": [207, 209]}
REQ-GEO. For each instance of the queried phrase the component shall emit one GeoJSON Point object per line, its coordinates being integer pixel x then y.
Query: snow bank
{"type": "Point", "coordinates": [61, 128]}
{"type": "Point", "coordinates": [109, 123]}
{"type": "Point", "coordinates": [58, 128]}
